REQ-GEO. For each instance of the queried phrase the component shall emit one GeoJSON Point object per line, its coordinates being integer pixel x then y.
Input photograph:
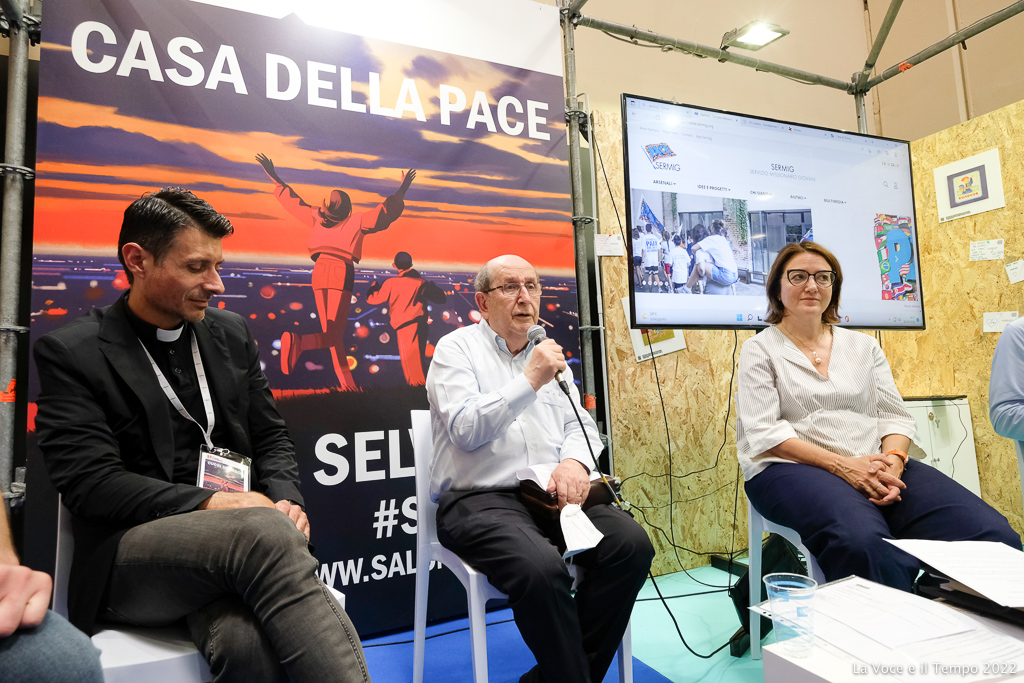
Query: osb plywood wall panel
{"type": "Point", "coordinates": [695, 387]}
{"type": "Point", "coordinates": [952, 357]}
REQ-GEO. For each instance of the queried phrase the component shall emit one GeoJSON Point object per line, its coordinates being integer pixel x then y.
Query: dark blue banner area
{"type": "Point", "coordinates": [356, 462]}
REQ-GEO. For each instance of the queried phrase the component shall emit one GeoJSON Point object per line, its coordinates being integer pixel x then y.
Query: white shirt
{"type": "Point", "coordinates": [680, 261]}
{"type": "Point", "coordinates": [488, 421]}
{"type": "Point", "coordinates": [718, 248]}
{"type": "Point", "coordinates": [781, 396]}
{"type": "Point", "coordinates": [651, 246]}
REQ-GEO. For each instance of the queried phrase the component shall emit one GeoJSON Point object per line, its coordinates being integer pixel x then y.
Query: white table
{"type": "Point", "coordinates": [826, 664]}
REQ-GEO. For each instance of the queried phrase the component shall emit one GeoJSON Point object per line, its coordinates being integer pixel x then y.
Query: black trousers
{"type": "Point", "coordinates": [573, 639]}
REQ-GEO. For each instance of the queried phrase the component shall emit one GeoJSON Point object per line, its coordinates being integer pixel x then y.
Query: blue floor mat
{"type": "Point", "coordinates": [448, 658]}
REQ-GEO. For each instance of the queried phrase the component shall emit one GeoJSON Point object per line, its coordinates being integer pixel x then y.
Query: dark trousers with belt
{"type": "Point", "coordinates": [573, 639]}
{"type": "Point", "coordinates": [846, 532]}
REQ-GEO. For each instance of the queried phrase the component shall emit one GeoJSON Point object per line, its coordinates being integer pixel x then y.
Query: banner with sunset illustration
{"type": "Point", "coordinates": [450, 113]}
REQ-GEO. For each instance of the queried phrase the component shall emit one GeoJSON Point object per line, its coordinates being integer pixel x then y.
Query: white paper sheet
{"type": "Point", "coordinates": [910, 638]}
{"type": "Point", "coordinates": [989, 568]}
{"type": "Point", "coordinates": [890, 616]}
{"type": "Point", "coordinates": [987, 250]}
{"type": "Point", "coordinates": [655, 342]}
{"type": "Point", "coordinates": [1015, 271]}
{"type": "Point", "coordinates": [997, 320]}
{"type": "Point", "coordinates": [608, 245]}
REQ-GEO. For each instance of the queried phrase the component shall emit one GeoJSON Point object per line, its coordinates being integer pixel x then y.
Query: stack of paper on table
{"type": "Point", "coordinates": [880, 631]}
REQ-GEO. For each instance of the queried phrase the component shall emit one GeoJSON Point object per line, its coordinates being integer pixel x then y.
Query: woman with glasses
{"type": "Point", "coordinates": [824, 439]}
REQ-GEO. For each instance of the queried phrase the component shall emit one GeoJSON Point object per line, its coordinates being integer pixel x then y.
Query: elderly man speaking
{"type": "Point", "coordinates": [496, 407]}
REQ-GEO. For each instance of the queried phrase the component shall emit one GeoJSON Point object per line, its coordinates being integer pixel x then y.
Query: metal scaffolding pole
{"type": "Point", "coordinates": [573, 115]}
{"type": "Point", "coordinates": [862, 114]}
{"type": "Point", "coordinates": [943, 45]}
{"type": "Point", "coordinates": [574, 6]}
{"type": "Point", "coordinates": [876, 48]}
{"type": "Point", "coordinates": [633, 33]}
{"type": "Point", "coordinates": [10, 244]}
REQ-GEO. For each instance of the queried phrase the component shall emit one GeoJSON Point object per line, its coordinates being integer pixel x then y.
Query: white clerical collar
{"type": "Point", "coordinates": [169, 335]}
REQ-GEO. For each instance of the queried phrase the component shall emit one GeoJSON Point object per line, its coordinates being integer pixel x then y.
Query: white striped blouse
{"type": "Point", "coordinates": [781, 396]}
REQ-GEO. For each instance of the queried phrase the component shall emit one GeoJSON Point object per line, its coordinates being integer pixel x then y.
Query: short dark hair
{"type": "Point", "coordinates": [155, 219]}
{"type": "Point", "coordinates": [699, 232]}
{"type": "Point", "coordinates": [776, 310]}
{"type": "Point", "coordinates": [403, 260]}
{"type": "Point", "coordinates": [676, 240]}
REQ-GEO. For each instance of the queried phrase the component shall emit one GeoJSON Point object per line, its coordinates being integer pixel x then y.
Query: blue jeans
{"type": "Point", "coordinates": [845, 531]}
{"type": "Point", "coordinates": [723, 276]}
{"type": "Point", "coordinates": [246, 584]}
{"type": "Point", "coordinates": [53, 652]}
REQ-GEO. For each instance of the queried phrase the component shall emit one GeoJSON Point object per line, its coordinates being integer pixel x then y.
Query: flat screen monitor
{"type": "Point", "coordinates": [736, 189]}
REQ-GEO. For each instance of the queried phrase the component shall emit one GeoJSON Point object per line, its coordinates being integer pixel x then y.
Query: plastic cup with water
{"type": "Point", "coordinates": [792, 604]}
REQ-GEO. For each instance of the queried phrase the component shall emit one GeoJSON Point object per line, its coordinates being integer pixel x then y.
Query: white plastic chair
{"type": "Point", "coordinates": [131, 654]}
{"type": "Point", "coordinates": [478, 588]}
{"type": "Point", "coordinates": [757, 526]}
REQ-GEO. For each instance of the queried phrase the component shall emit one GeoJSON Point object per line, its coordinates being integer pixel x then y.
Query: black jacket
{"type": "Point", "coordinates": [104, 429]}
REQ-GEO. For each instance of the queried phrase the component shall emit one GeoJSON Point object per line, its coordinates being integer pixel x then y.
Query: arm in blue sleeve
{"type": "Point", "coordinates": [1006, 386]}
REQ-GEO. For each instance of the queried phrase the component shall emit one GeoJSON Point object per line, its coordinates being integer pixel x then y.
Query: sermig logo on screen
{"type": "Point", "coordinates": [661, 150]}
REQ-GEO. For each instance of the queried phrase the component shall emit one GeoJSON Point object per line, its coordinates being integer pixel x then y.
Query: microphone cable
{"type": "Point", "coordinates": [671, 476]}
{"type": "Point", "coordinates": [536, 335]}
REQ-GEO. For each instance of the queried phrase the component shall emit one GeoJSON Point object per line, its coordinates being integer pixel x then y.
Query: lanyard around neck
{"type": "Point", "coordinates": [204, 389]}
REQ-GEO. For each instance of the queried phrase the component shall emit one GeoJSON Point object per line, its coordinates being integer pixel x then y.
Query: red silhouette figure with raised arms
{"type": "Point", "coordinates": [406, 296]}
{"type": "Point", "coordinates": [335, 245]}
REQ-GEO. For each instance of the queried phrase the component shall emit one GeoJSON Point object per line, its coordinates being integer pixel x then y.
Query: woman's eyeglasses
{"type": "Point", "coordinates": [823, 278]}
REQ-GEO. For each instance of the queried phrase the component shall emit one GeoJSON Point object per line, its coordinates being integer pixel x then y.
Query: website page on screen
{"type": "Point", "coordinates": [734, 190]}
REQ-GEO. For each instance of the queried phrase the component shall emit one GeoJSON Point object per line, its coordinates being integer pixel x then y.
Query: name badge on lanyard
{"type": "Point", "coordinates": [219, 468]}
{"type": "Point", "coordinates": [222, 470]}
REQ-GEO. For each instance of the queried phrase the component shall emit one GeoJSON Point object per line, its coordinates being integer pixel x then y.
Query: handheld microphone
{"type": "Point", "coordinates": [536, 334]}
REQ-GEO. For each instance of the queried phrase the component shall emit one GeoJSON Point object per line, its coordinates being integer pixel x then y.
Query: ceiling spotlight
{"type": "Point", "coordinates": [753, 36]}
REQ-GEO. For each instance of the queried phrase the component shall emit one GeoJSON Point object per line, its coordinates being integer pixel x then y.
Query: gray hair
{"type": "Point", "coordinates": [483, 278]}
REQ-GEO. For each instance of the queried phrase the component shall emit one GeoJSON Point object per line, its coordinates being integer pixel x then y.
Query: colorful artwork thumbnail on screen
{"type": "Point", "coordinates": [897, 264]}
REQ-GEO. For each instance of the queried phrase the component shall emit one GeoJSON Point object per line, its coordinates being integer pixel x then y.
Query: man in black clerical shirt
{"type": "Point", "coordinates": [130, 396]}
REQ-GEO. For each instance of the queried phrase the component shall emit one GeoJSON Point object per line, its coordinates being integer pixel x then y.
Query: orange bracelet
{"type": "Point", "coordinates": [899, 453]}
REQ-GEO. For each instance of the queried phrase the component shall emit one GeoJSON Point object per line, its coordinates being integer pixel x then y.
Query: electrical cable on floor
{"type": "Point", "coordinates": [434, 635]}
{"type": "Point", "coordinates": [725, 438]}
{"type": "Point", "coordinates": [671, 536]}
{"type": "Point", "coordinates": [682, 547]}
{"type": "Point", "coordinates": [676, 624]}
